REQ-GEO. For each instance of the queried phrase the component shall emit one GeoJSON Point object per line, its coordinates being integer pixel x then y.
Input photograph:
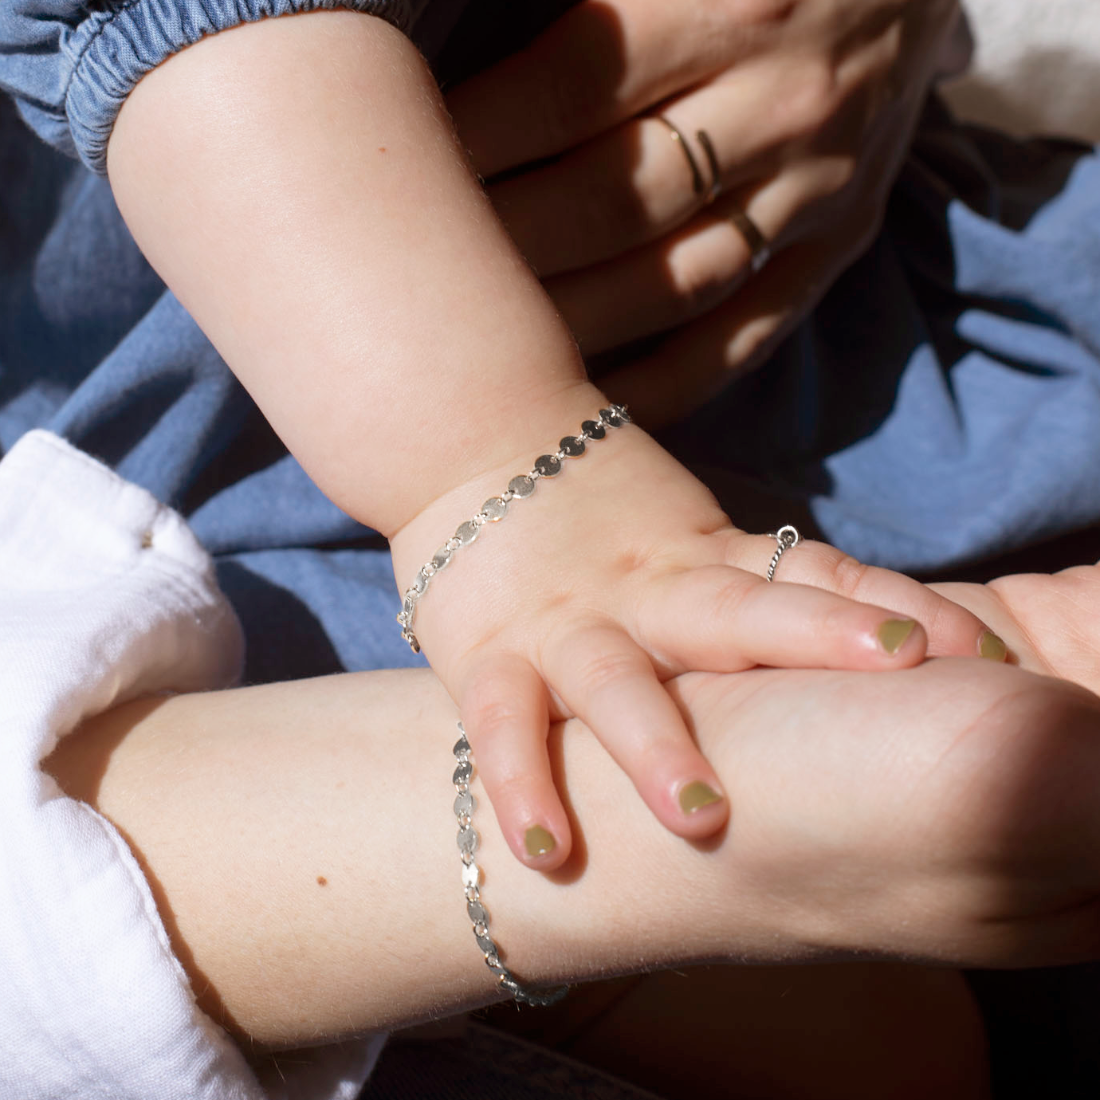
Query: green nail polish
{"type": "Point", "coordinates": [893, 632]}
{"type": "Point", "coordinates": [697, 795]}
{"type": "Point", "coordinates": [991, 647]}
{"type": "Point", "coordinates": [538, 841]}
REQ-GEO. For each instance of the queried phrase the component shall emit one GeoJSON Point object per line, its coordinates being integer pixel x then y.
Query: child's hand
{"type": "Point", "coordinates": [616, 575]}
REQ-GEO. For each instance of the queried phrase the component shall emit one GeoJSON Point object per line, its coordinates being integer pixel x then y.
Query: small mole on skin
{"type": "Point", "coordinates": [321, 880]}
{"type": "Point", "coordinates": [381, 148]}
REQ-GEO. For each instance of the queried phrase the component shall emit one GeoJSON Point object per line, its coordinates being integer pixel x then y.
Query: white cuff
{"type": "Point", "coordinates": [105, 595]}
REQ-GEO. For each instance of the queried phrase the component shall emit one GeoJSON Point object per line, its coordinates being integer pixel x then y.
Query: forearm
{"type": "Point", "coordinates": [306, 867]}
{"type": "Point", "coordinates": [298, 185]}
{"type": "Point", "coordinates": [300, 839]}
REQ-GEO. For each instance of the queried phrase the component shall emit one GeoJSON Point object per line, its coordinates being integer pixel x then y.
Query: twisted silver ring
{"type": "Point", "coordinates": [787, 538]}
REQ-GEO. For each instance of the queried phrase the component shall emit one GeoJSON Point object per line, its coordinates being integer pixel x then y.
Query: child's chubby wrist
{"type": "Point", "coordinates": [522, 436]}
{"type": "Point", "coordinates": [591, 531]}
{"type": "Point", "coordinates": [452, 451]}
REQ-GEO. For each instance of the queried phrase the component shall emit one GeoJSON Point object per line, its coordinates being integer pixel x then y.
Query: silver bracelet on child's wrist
{"type": "Point", "coordinates": [548, 465]}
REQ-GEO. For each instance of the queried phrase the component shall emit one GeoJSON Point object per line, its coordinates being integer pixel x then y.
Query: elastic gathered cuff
{"type": "Point", "coordinates": [112, 49]}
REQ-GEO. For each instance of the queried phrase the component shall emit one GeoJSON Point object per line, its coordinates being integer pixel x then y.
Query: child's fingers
{"type": "Point", "coordinates": [722, 619]}
{"type": "Point", "coordinates": [952, 630]}
{"type": "Point", "coordinates": [604, 678]}
{"type": "Point", "coordinates": [504, 712]}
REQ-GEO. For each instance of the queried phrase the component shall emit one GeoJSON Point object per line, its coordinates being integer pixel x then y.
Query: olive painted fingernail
{"type": "Point", "coordinates": [538, 841]}
{"type": "Point", "coordinates": [991, 647]}
{"type": "Point", "coordinates": [697, 795]}
{"type": "Point", "coordinates": [893, 632]}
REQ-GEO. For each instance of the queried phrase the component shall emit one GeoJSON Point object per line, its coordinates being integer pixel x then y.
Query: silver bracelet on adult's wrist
{"type": "Point", "coordinates": [468, 841]}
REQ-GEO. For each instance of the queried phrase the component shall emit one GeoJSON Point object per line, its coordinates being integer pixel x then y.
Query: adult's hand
{"type": "Point", "coordinates": [808, 106]}
{"type": "Point", "coordinates": [945, 813]}
{"type": "Point", "coordinates": [1047, 620]}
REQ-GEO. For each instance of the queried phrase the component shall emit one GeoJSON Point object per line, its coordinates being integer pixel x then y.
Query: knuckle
{"type": "Point", "coordinates": [844, 575]}
{"type": "Point", "coordinates": [699, 282]}
{"type": "Point", "coordinates": [727, 600]}
{"type": "Point", "coordinates": [562, 109]}
{"type": "Point", "coordinates": [606, 669]}
{"type": "Point", "coordinates": [839, 174]}
{"type": "Point", "coordinates": [492, 716]}
{"type": "Point", "coordinates": [810, 102]}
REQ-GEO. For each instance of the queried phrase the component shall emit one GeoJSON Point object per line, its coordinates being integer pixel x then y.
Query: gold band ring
{"type": "Point", "coordinates": [697, 183]}
{"type": "Point", "coordinates": [712, 162]}
{"type": "Point", "coordinates": [760, 252]}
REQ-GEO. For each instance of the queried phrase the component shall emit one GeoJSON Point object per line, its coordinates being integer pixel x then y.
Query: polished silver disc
{"type": "Point", "coordinates": [521, 486]}
{"type": "Point", "coordinates": [467, 532]}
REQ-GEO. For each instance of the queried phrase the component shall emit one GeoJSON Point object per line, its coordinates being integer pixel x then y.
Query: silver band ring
{"type": "Point", "coordinates": [760, 252]}
{"type": "Point", "coordinates": [787, 538]}
{"type": "Point", "coordinates": [698, 185]}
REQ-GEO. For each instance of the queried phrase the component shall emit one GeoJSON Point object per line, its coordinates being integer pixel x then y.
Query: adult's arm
{"type": "Point", "coordinates": [308, 875]}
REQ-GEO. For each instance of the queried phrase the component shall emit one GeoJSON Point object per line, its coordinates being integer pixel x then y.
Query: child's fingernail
{"type": "Point", "coordinates": [697, 795]}
{"type": "Point", "coordinates": [538, 841]}
{"type": "Point", "coordinates": [893, 632]}
{"type": "Point", "coordinates": [991, 647]}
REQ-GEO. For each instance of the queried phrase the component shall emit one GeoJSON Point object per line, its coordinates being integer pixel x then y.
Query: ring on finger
{"type": "Point", "coordinates": [787, 538]}
{"type": "Point", "coordinates": [760, 252]}
{"type": "Point", "coordinates": [712, 162]}
{"type": "Point", "coordinates": [698, 185]}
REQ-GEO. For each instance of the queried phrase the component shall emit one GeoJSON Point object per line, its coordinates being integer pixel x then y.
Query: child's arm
{"type": "Point", "coordinates": [298, 185]}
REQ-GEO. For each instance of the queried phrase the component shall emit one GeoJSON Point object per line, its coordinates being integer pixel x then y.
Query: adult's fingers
{"type": "Point", "coordinates": [694, 363]}
{"type": "Point", "coordinates": [600, 63]}
{"type": "Point", "coordinates": [604, 678]}
{"type": "Point", "coordinates": [689, 272]}
{"type": "Point", "coordinates": [722, 619]}
{"type": "Point", "coordinates": [504, 711]}
{"type": "Point", "coordinates": [638, 180]}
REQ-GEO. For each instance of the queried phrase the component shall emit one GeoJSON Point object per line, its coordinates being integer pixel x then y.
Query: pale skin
{"type": "Point", "coordinates": [284, 998]}
{"type": "Point", "coordinates": [808, 107]}
{"type": "Point", "coordinates": [299, 186]}
{"type": "Point", "coordinates": [961, 790]}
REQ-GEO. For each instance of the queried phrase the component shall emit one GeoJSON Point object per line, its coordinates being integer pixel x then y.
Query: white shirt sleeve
{"type": "Point", "coordinates": [105, 595]}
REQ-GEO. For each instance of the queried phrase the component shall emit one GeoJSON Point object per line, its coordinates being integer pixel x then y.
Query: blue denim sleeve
{"type": "Point", "coordinates": [70, 64]}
